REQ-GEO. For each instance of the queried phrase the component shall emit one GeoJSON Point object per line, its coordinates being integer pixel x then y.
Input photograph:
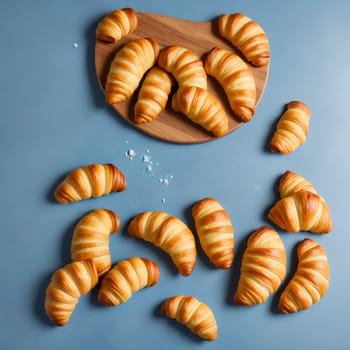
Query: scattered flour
{"type": "Point", "coordinates": [150, 167]}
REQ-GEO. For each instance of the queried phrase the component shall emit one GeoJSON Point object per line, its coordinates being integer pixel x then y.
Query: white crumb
{"type": "Point", "coordinates": [75, 45]}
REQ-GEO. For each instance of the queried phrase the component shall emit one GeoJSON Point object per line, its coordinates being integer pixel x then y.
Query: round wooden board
{"type": "Point", "coordinates": [200, 37]}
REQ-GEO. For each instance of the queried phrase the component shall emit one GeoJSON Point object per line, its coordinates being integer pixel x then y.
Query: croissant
{"type": "Point", "coordinates": [194, 314]}
{"type": "Point", "coordinates": [292, 128]}
{"type": "Point", "coordinates": [247, 36]}
{"type": "Point", "coordinates": [184, 65]}
{"type": "Point", "coordinates": [168, 233]}
{"type": "Point", "coordinates": [263, 267]}
{"type": "Point", "coordinates": [237, 80]}
{"type": "Point", "coordinates": [93, 180]}
{"type": "Point", "coordinates": [291, 182]}
{"type": "Point", "coordinates": [65, 288]}
{"type": "Point", "coordinates": [126, 278]}
{"type": "Point", "coordinates": [128, 67]}
{"type": "Point", "coordinates": [215, 232]}
{"type": "Point", "coordinates": [91, 238]}
{"type": "Point", "coordinates": [202, 108]}
{"type": "Point", "coordinates": [310, 281]}
{"type": "Point", "coordinates": [302, 211]}
{"type": "Point", "coordinates": [116, 25]}
{"type": "Point", "coordinates": [153, 95]}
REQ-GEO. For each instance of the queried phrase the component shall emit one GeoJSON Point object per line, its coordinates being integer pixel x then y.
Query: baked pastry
{"type": "Point", "coordinates": [310, 281]}
{"type": "Point", "coordinates": [94, 180]}
{"type": "Point", "coordinates": [215, 232]}
{"type": "Point", "coordinates": [184, 65]}
{"type": "Point", "coordinates": [237, 80]}
{"type": "Point", "coordinates": [168, 233]}
{"type": "Point", "coordinates": [263, 267]}
{"type": "Point", "coordinates": [91, 238]}
{"type": "Point", "coordinates": [128, 67]}
{"type": "Point", "coordinates": [153, 95]}
{"type": "Point", "coordinates": [203, 108]}
{"type": "Point", "coordinates": [292, 128]}
{"type": "Point", "coordinates": [65, 288]}
{"type": "Point", "coordinates": [126, 278]}
{"type": "Point", "coordinates": [302, 211]}
{"type": "Point", "coordinates": [116, 25]}
{"type": "Point", "coordinates": [194, 314]}
{"type": "Point", "coordinates": [247, 36]}
{"type": "Point", "coordinates": [291, 182]}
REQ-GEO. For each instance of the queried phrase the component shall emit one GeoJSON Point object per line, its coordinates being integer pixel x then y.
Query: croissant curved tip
{"type": "Point", "coordinates": [261, 61]}
{"type": "Point", "coordinates": [240, 300]}
{"type": "Point", "coordinates": [186, 270]}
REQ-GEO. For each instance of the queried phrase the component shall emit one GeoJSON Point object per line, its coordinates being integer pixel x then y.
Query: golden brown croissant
{"type": "Point", "coordinates": [202, 108]}
{"type": "Point", "coordinates": [215, 232]}
{"type": "Point", "coordinates": [237, 80]}
{"type": "Point", "coordinates": [292, 128]}
{"type": "Point", "coordinates": [310, 281]}
{"type": "Point", "coordinates": [65, 288]}
{"type": "Point", "coordinates": [168, 233]}
{"type": "Point", "coordinates": [247, 36]}
{"type": "Point", "coordinates": [91, 238]}
{"type": "Point", "coordinates": [263, 267]}
{"type": "Point", "coordinates": [116, 25]}
{"type": "Point", "coordinates": [126, 278]}
{"type": "Point", "coordinates": [184, 65]}
{"type": "Point", "coordinates": [153, 95]}
{"type": "Point", "coordinates": [194, 314]}
{"type": "Point", "coordinates": [302, 211]}
{"type": "Point", "coordinates": [93, 180]}
{"type": "Point", "coordinates": [291, 182]}
{"type": "Point", "coordinates": [128, 67]}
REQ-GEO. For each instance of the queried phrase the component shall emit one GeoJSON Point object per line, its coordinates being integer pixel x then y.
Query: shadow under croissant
{"type": "Point", "coordinates": [51, 192]}
{"type": "Point", "coordinates": [181, 328]}
{"type": "Point", "coordinates": [275, 198]}
{"type": "Point", "coordinates": [236, 271]}
{"type": "Point", "coordinates": [39, 301]}
{"type": "Point", "coordinates": [271, 130]}
{"type": "Point", "coordinates": [97, 95]}
{"type": "Point", "coordinates": [274, 299]}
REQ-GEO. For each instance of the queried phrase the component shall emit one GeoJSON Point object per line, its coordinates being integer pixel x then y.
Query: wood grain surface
{"type": "Point", "coordinates": [200, 37]}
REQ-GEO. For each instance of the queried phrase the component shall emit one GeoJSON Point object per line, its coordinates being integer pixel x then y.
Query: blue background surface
{"type": "Point", "coordinates": [54, 119]}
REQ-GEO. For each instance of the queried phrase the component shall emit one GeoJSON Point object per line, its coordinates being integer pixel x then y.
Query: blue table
{"type": "Point", "coordinates": [54, 119]}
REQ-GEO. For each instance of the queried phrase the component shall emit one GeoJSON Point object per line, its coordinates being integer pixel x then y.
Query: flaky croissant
{"type": "Point", "coordinates": [310, 281]}
{"type": "Point", "coordinates": [153, 95]}
{"type": "Point", "coordinates": [91, 238]}
{"type": "Point", "coordinates": [302, 211]}
{"type": "Point", "coordinates": [65, 288]}
{"type": "Point", "coordinates": [128, 67]}
{"type": "Point", "coordinates": [292, 128]}
{"type": "Point", "coordinates": [247, 36]}
{"type": "Point", "coordinates": [291, 182]}
{"type": "Point", "coordinates": [263, 267]}
{"type": "Point", "coordinates": [237, 80]}
{"type": "Point", "coordinates": [215, 232]}
{"type": "Point", "coordinates": [168, 233]}
{"type": "Point", "coordinates": [116, 25]}
{"type": "Point", "coordinates": [194, 314]}
{"type": "Point", "coordinates": [184, 65]}
{"type": "Point", "coordinates": [94, 180]}
{"type": "Point", "coordinates": [126, 278]}
{"type": "Point", "coordinates": [203, 108]}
